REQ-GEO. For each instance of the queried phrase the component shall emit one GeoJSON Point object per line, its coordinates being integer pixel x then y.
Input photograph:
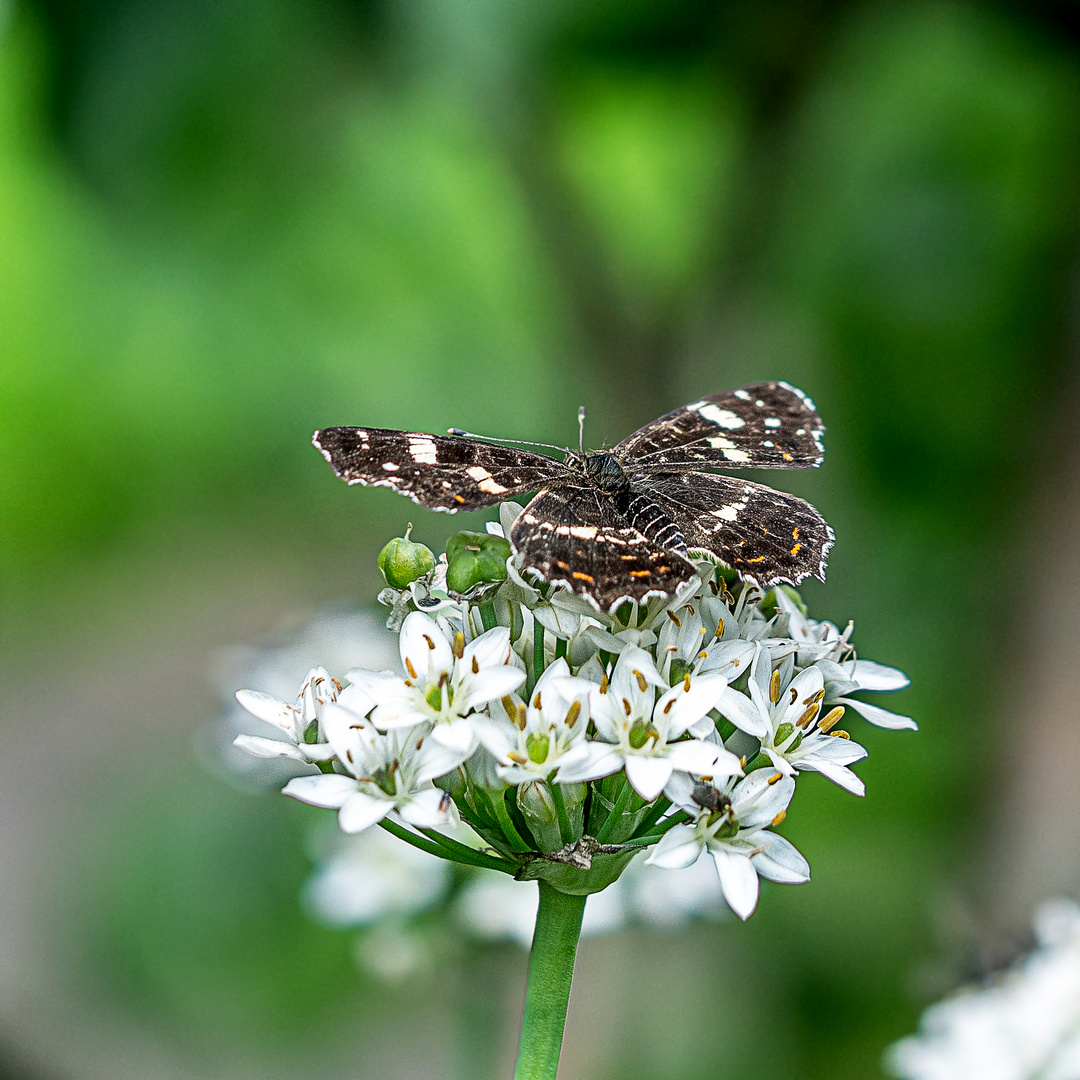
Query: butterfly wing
{"type": "Point", "coordinates": [575, 535]}
{"type": "Point", "coordinates": [762, 426]}
{"type": "Point", "coordinates": [766, 535]}
{"type": "Point", "coordinates": [441, 472]}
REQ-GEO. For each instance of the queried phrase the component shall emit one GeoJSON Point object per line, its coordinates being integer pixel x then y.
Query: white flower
{"type": "Point", "coordinates": [822, 643]}
{"type": "Point", "coordinates": [797, 736]}
{"type": "Point", "coordinates": [548, 734]}
{"type": "Point", "coordinates": [298, 722]}
{"type": "Point", "coordinates": [1022, 1025]}
{"type": "Point", "coordinates": [735, 832]}
{"type": "Point", "coordinates": [363, 878]}
{"type": "Point", "coordinates": [387, 773]}
{"type": "Point", "coordinates": [647, 733]}
{"type": "Point", "coordinates": [445, 683]}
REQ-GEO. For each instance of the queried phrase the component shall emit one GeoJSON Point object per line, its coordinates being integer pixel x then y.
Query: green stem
{"type": "Point", "coordinates": [538, 654]}
{"type": "Point", "coordinates": [476, 858]}
{"type": "Point", "coordinates": [497, 804]}
{"type": "Point", "coordinates": [560, 812]}
{"type": "Point", "coordinates": [560, 647]}
{"type": "Point", "coordinates": [551, 969]}
{"type": "Point", "coordinates": [617, 812]}
{"type": "Point", "coordinates": [487, 615]}
{"type": "Point", "coordinates": [466, 853]}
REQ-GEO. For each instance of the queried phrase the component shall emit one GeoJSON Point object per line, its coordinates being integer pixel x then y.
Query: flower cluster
{"type": "Point", "coordinates": [528, 732]}
{"type": "Point", "coordinates": [1022, 1025]}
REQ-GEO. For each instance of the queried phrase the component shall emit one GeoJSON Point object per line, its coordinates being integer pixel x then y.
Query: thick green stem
{"type": "Point", "coordinates": [551, 969]}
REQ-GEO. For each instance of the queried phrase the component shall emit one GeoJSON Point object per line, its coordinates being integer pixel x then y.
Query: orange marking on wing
{"type": "Point", "coordinates": [796, 549]}
{"type": "Point", "coordinates": [760, 558]}
{"type": "Point", "coordinates": [584, 577]}
{"type": "Point", "coordinates": [640, 573]}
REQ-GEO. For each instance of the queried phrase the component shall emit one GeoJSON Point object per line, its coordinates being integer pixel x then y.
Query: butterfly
{"type": "Point", "coordinates": [622, 524]}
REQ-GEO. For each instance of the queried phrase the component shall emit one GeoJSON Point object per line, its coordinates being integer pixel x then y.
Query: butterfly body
{"type": "Point", "coordinates": [620, 524]}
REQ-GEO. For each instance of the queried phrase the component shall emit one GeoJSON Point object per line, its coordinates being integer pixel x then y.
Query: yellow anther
{"type": "Point", "coordinates": [703, 655]}
{"type": "Point", "coordinates": [522, 713]}
{"type": "Point", "coordinates": [686, 681]}
{"type": "Point", "coordinates": [626, 706]}
{"type": "Point", "coordinates": [520, 759]}
{"type": "Point", "coordinates": [774, 687]}
{"type": "Point", "coordinates": [719, 629]}
{"type": "Point", "coordinates": [409, 667]}
{"type": "Point", "coordinates": [831, 718]}
{"type": "Point", "coordinates": [509, 704]}
{"type": "Point", "coordinates": [673, 617]}
{"type": "Point", "coordinates": [779, 818]}
{"type": "Point", "coordinates": [475, 666]}
{"type": "Point", "coordinates": [839, 733]}
{"type": "Point", "coordinates": [642, 684]}
{"type": "Point", "coordinates": [603, 682]}
{"type": "Point", "coordinates": [808, 715]}
{"type": "Point", "coordinates": [459, 645]}
{"type": "Point", "coordinates": [536, 701]}
{"type": "Point", "coordinates": [430, 643]}
{"type": "Point", "coordinates": [774, 778]}
{"type": "Point", "coordinates": [669, 706]}
{"type": "Point", "coordinates": [573, 713]}
{"type": "Point", "coordinates": [814, 697]}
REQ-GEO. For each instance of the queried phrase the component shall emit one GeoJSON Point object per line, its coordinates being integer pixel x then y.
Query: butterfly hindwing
{"type": "Point", "coordinates": [576, 536]}
{"type": "Point", "coordinates": [766, 535]}
{"type": "Point", "coordinates": [761, 426]}
{"type": "Point", "coordinates": [441, 472]}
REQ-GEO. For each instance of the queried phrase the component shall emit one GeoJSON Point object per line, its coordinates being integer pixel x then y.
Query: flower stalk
{"type": "Point", "coordinates": [547, 994]}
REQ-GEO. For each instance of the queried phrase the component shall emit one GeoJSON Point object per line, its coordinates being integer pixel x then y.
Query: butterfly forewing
{"type": "Point", "coordinates": [571, 535]}
{"type": "Point", "coordinates": [762, 426]}
{"type": "Point", "coordinates": [766, 535]}
{"type": "Point", "coordinates": [441, 472]}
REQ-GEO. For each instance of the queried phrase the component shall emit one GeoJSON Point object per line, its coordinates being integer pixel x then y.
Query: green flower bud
{"type": "Point", "coordinates": [474, 559]}
{"type": "Point", "coordinates": [402, 561]}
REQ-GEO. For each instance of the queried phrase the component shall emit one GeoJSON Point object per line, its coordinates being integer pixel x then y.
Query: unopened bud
{"type": "Point", "coordinates": [402, 561]}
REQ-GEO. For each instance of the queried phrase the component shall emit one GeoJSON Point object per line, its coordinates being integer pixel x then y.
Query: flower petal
{"type": "Point", "coordinates": [743, 713]}
{"type": "Point", "coordinates": [738, 880]}
{"type": "Point", "coordinates": [880, 717]}
{"type": "Point", "coordinates": [424, 648]}
{"type": "Point", "coordinates": [648, 775]}
{"type": "Point", "coordinates": [426, 809]}
{"type": "Point", "coordinates": [871, 676]}
{"type": "Point", "coordinates": [270, 710]}
{"type": "Point", "coordinates": [779, 860]}
{"type": "Point", "coordinates": [362, 811]}
{"type": "Point", "coordinates": [330, 790]}
{"type": "Point", "coordinates": [678, 848]}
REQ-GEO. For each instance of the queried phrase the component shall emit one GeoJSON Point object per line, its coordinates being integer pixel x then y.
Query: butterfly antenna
{"type": "Point", "coordinates": [489, 438]}
{"type": "Point", "coordinates": [581, 429]}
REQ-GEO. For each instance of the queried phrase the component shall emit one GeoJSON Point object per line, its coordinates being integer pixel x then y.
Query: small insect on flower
{"type": "Point", "coordinates": [621, 524]}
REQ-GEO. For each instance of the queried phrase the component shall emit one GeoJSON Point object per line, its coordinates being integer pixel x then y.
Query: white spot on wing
{"type": "Point", "coordinates": [771, 421]}
{"type": "Point", "coordinates": [484, 480]}
{"type": "Point", "coordinates": [724, 418]}
{"type": "Point", "coordinates": [423, 451]}
{"type": "Point", "coordinates": [742, 395]}
{"type": "Point", "coordinates": [389, 466]}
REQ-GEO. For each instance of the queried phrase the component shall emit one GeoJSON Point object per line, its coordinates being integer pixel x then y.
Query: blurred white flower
{"type": "Point", "coordinates": [1023, 1025]}
{"type": "Point", "coordinates": [361, 878]}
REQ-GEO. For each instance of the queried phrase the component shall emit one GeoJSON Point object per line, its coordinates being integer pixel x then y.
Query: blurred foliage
{"type": "Point", "coordinates": [224, 225]}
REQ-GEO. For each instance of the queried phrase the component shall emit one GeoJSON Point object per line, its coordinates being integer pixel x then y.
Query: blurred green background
{"type": "Point", "coordinates": [223, 225]}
